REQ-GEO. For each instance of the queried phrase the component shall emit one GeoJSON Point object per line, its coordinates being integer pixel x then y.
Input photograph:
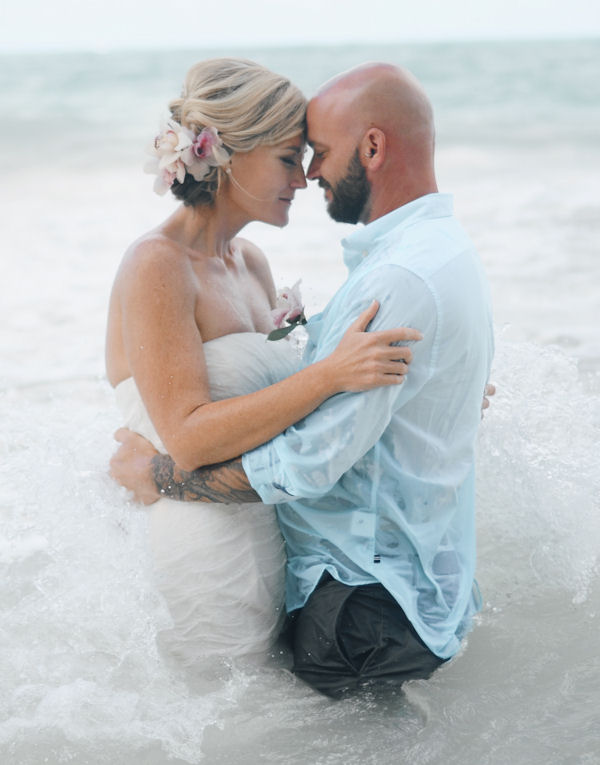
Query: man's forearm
{"type": "Point", "coordinates": [226, 482]}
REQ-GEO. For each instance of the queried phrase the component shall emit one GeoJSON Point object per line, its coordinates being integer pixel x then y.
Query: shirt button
{"type": "Point", "coordinates": [364, 253]}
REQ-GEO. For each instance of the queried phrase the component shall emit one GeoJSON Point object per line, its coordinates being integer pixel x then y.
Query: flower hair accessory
{"type": "Point", "coordinates": [177, 150]}
{"type": "Point", "coordinates": [289, 309]}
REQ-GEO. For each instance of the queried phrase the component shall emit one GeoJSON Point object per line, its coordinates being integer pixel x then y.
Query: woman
{"type": "Point", "coordinates": [186, 345]}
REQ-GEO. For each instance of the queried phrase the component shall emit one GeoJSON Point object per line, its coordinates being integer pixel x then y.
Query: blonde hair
{"type": "Point", "coordinates": [249, 106]}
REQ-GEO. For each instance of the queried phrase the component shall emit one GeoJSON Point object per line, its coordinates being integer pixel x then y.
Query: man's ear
{"type": "Point", "coordinates": [372, 149]}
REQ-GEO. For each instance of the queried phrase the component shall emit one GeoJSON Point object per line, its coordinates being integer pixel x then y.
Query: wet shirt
{"type": "Point", "coordinates": [379, 486]}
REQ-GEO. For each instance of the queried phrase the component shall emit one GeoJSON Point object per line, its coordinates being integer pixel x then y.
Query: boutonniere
{"type": "Point", "coordinates": [288, 312]}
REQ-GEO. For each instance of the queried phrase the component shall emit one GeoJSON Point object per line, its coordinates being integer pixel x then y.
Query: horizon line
{"type": "Point", "coordinates": [161, 48]}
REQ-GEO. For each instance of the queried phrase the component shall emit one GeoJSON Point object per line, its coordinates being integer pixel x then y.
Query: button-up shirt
{"type": "Point", "coordinates": [379, 486]}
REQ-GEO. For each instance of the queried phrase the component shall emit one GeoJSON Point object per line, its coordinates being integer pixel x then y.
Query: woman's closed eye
{"type": "Point", "coordinates": [291, 161]}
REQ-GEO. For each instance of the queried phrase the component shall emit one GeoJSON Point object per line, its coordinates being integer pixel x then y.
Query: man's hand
{"type": "Point", "coordinates": [489, 391]}
{"type": "Point", "coordinates": [131, 466]}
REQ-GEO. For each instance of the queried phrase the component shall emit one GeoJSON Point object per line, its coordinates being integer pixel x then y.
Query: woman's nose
{"type": "Point", "coordinates": [299, 181]}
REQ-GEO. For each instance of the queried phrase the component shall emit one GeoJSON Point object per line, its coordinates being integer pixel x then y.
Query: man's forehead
{"type": "Point", "coordinates": [314, 138]}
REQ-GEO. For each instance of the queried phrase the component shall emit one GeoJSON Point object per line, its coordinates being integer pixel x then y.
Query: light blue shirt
{"type": "Point", "coordinates": [379, 486]}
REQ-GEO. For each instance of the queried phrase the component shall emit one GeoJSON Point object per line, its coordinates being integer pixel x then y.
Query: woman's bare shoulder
{"type": "Point", "coordinates": [154, 246]}
{"type": "Point", "coordinates": [153, 256]}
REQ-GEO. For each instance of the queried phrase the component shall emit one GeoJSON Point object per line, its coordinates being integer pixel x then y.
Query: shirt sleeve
{"type": "Point", "coordinates": [310, 457]}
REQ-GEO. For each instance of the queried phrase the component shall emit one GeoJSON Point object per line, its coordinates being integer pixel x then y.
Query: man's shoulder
{"type": "Point", "coordinates": [426, 247]}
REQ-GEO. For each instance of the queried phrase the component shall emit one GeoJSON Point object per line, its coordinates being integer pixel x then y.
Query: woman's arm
{"type": "Point", "coordinates": [164, 350]}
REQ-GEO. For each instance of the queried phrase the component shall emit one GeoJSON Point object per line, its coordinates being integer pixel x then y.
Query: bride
{"type": "Point", "coordinates": [187, 353]}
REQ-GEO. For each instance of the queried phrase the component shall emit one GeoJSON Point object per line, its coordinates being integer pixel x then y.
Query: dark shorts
{"type": "Point", "coordinates": [347, 637]}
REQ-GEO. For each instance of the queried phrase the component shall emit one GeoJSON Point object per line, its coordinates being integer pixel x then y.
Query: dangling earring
{"type": "Point", "coordinates": [241, 188]}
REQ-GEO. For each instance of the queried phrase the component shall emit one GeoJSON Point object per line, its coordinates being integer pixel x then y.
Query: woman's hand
{"type": "Point", "coordinates": [489, 391]}
{"type": "Point", "coordinates": [131, 465]}
{"type": "Point", "coordinates": [365, 360]}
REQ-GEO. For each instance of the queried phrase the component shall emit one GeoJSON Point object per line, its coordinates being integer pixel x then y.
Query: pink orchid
{"type": "Point", "coordinates": [279, 315]}
{"type": "Point", "coordinates": [177, 150]}
{"type": "Point", "coordinates": [204, 142]}
{"type": "Point", "coordinates": [288, 306]}
{"type": "Point", "coordinates": [164, 181]}
{"type": "Point", "coordinates": [288, 310]}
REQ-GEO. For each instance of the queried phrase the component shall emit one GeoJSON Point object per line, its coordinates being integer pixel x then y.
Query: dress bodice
{"type": "Point", "coordinates": [220, 568]}
{"type": "Point", "coordinates": [237, 364]}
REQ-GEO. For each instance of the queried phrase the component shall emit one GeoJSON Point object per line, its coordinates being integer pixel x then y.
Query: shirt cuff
{"type": "Point", "coordinates": [261, 468]}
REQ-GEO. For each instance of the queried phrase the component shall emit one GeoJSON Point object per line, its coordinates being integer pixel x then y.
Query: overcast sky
{"type": "Point", "coordinates": [109, 24]}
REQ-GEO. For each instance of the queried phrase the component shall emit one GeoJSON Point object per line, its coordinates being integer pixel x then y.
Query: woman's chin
{"type": "Point", "coordinates": [280, 221]}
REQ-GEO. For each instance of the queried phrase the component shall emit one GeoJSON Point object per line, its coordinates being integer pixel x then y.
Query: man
{"type": "Point", "coordinates": [375, 491]}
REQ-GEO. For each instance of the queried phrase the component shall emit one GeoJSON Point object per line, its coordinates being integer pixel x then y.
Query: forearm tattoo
{"type": "Point", "coordinates": [225, 482]}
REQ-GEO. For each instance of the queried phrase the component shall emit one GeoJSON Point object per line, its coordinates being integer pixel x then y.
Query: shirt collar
{"type": "Point", "coordinates": [359, 243]}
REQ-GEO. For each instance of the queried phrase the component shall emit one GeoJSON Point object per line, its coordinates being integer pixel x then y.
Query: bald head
{"type": "Point", "coordinates": [382, 95]}
{"type": "Point", "coordinates": [382, 112]}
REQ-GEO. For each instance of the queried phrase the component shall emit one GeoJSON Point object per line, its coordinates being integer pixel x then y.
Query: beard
{"type": "Point", "coordinates": [350, 195]}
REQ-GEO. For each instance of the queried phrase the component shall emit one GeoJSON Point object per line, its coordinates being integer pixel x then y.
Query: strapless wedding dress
{"type": "Point", "coordinates": [219, 567]}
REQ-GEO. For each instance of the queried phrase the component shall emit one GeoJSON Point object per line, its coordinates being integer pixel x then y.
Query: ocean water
{"type": "Point", "coordinates": [82, 676]}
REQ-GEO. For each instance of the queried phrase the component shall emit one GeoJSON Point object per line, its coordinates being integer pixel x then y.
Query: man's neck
{"type": "Point", "coordinates": [384, 203]}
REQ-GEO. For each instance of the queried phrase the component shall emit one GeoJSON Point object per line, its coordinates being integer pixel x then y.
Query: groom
{"type": "Point", "coordinates": [374, 491]}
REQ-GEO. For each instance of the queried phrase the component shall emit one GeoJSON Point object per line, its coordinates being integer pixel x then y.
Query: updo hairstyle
{"type": "Point", "coordinates": [249, 106]}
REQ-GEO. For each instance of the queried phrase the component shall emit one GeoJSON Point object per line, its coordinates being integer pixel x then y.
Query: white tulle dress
{"type": "Point", "coordinates": [219, 567]}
